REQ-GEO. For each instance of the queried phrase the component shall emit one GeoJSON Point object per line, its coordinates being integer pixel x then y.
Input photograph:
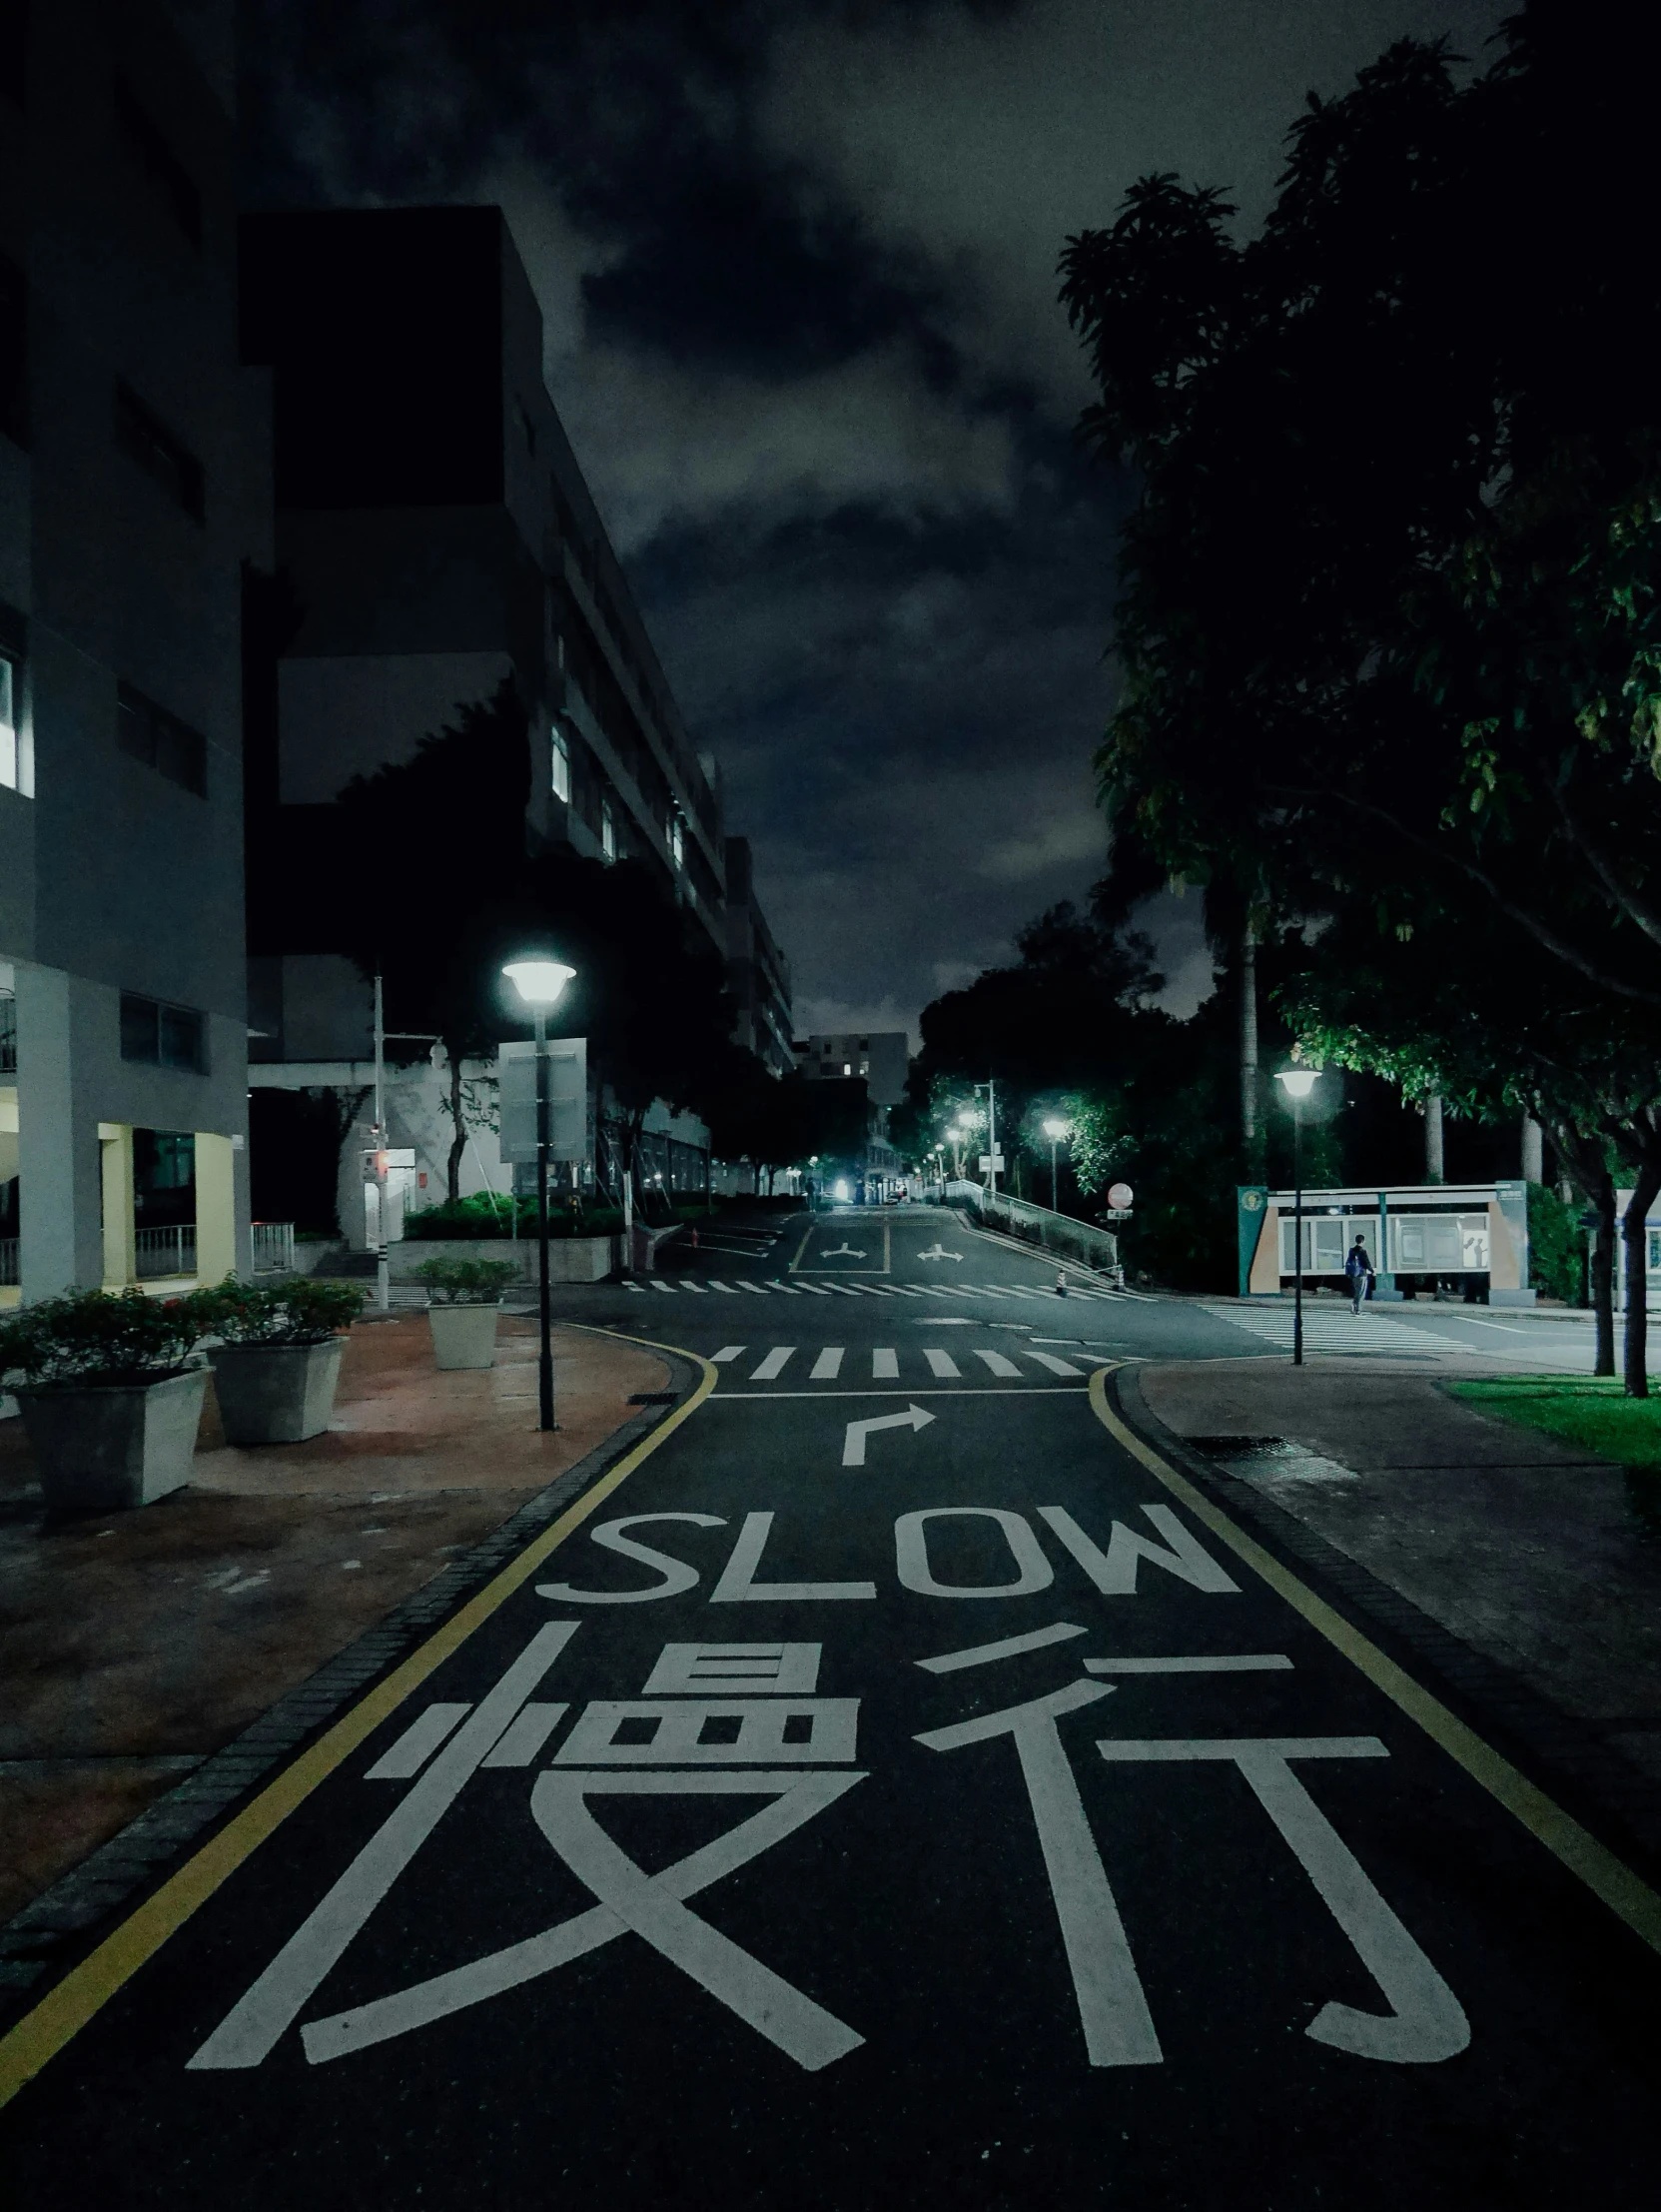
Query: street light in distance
{"type": "Point", "coordinates": [540, 982]}
{"type": "Point", "coordinates": [1298, 1083]}
{"type": "Point", "coordinates": [1055, 1129]}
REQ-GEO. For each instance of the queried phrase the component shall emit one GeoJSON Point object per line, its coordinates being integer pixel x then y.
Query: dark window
{"type": "Point", "coordinates": [14, 352]}
{"type": "Point", "coordinates": [163, 1036]}
{"type": "Point", "coordinates": [150, 734]}
{"type": "Point", "coordinates": [149, 147]}
{"type": "Point", "coordinates": [146, 438]}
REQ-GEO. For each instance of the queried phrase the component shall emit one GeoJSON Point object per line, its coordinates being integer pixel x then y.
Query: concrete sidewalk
{"type": "Point", "coordinates": [134, 1646]}
{"type": "Point", "coordinates": [1540, 1559]}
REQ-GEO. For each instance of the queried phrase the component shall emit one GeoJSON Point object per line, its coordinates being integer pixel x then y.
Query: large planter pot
{"type": "Point", "coordinates": [102, 1448]}
{"type": "Point", "coordinates": [463, 1336]}
{"type": "Point", "coordinates": [276, 1393]}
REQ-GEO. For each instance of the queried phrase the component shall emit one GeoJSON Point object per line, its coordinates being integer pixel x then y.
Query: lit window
{"type": "Point", "coordinates": [9, 689]}
{"type": "Point", "coordinates": [608, 831]}
{"type": "Point", "coordinates": [847, 1068]}
{"type": "Point", "coordinates": [677, 841]}
{"type": "Point", "coordinates": [562, 765]}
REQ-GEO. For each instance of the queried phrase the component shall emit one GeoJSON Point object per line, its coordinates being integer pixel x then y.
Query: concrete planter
{"type": "Point", "coordinates": [570, 1259]}
{"type": "Point", "coordinates": [463, 1336]}
{"type": "Point", "coordinates": [276, 1393]}
{"type": "Point", "coordinates": [104, 1448]}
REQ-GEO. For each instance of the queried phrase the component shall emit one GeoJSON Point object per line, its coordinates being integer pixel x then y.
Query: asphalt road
{"type": "Point", "coordinates": [892, 1791]}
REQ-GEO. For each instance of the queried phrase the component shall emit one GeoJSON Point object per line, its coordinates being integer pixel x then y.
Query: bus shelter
{"type": "Point", "coordinates": [1425, 1240]}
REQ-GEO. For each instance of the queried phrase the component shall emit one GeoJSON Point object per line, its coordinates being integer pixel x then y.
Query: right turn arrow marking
{"type": "Point", "coordinates": [853, 1448]}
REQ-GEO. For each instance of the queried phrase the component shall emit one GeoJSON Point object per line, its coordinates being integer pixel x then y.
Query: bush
{"type": "Point", "coordinates": [466, 1282]}
{"type": "Point", "coordinates": [1557, 1244]}
{"type": "Point", "coordinates": [298, 1310]}
{"type": "Point", "coordinates": [477, 1220]}
{"type": "Point", "coordinates": [94, 1337]}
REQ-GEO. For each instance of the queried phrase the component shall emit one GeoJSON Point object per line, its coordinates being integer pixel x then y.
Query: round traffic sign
{"type": "Point", "coordinates": [1120, 1195]}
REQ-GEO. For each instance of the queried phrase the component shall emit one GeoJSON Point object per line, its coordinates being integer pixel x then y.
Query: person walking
{"type": "Point", "coordinates": [1359, 1269]}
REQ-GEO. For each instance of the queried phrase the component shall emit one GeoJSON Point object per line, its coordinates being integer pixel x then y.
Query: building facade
{"type": "Point", "coordinates": [882, 1057]}
{"type": "Point", "coordinates": [758, 974]}
{"type": "Point", "coordinates": [130, 497]}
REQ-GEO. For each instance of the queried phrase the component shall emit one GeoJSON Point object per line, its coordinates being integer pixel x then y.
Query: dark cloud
{"type": "Point", "coordinates": [797, 269]}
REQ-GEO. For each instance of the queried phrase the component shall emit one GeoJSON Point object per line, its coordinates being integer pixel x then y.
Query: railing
{"type": "Point", "coordinates": [1060, 1233]}
{"type": "Point", "coordinates": [161, 1251]}
{"type": "Point", "coordinates": [274, 1248]}
{"type": "Point", "coordinates": [10, 1272]}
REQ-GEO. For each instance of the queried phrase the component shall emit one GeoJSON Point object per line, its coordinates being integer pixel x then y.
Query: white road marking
{"type": "Point", "coordinates": [853, 1441]}
{"type": "Point", "coordinates": [1113, 2011]}
{"type": "Point", "coordinates": [796, 1798]}
{"type": "Point", "coordinates": [841, 1290]}
{"type": "Point", "coordinates": [523, 1738]}
{"type": "Point", "coordinates": [911, 1553]}
{"type": "Point", "coordinates": [637, 1288]}
{"type": "Point", "coordinates": [1225, 1663]}
{"type": "Point", "coordinates": [738, 1584]}
{"type": "Point", "coordinates": [785, 1288]}
{"type": "Point", "coordinates": [688, 1284]}
{"type": "Point", "coordinates": [417, 1744]}
{"type": "Point", "coordinates": [1054, 1364]}
{"type": "Point", "coordinates": [255, 2023]}
{"type": "Point", "coordinates": [659, 1284]}
{"type": "Point", "coordinates": [942, 1363]}
{"type": "Point", "coordinates": [996, 1364]}
{"type": "Point", "coordinates": [679, 1723]}
{"type": "Point", "coordinates": [828, 1366]}
{"type": "Point", "coordinates": [756, 1287]}
{"type": "Point", "coordinates": [1115, 1572]}
{"type": "Point", "coordinates": [815, 1290]}
{"type": "Point", "coordinates": [1425, 2022]}
{"type": "Point", "coordinates": [715, 1284]}
{"type": "Point", "coordinates": [885, 1364]}
{"type": "Point", "coordinates": [1008, 1647]}
{"type": "Point", "coordinates": [728, 1352]}
{"type": "Point", "coordinates": [737, 1669]}
{"type": "Point", "coordinates": [678, 1576]}
{"type": "Point", "coordinates": [774, 1364]}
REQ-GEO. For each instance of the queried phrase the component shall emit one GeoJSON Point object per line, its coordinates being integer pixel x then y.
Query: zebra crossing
{"type": "Point", "coordinates": [1343, 1331]}
{"type": "Point", "coordinates": [740, 1286]}
{"type": "Point", "coordinates": [834, 1363]}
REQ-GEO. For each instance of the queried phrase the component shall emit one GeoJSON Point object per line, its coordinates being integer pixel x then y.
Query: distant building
{"type": "Point", "coordinates": [130, 497]}
{"type": "Point", "coordinates": [882, 1057]}
{"type": "Point", "coordinates": [758, 974]}
{"type": "Point", "coordinates": [434, 536]}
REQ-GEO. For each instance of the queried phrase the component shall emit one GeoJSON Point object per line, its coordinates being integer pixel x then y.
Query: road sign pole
{"type": "Point", "coordinates": [1298, 1232]}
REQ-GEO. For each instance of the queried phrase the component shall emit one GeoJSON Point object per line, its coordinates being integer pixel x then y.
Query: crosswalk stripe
{"type": "Point", "coordinates": [942, 1364]}
{"type": "Point", "coordinates": [774, 1364]}
{"type": "Point", "coordinates": [659, 1284]}
{"type": "Point", "coordinates": [637, 1287]}
{"type": "Point", "coordinates": [1056, 1367]}
{"type": "Point", "coordinates": [885, 1366]}
{"type": "Point", "coordinates": [815, 1290]}
{"type": "Point", "coordinates": [787, 1289]}
{"type": "Point", "coordinates": [842, 1291]}
{"type": "Point", "coordinates": [996, 1364]}
{"type": "Point", "coordinates": [756, 1287]}
{"type": "Point", "coordinates": [698, 1287]}
{"type": "Point", "coordinates": [727, 1352]}
{"type": "Point", "coordinates": [716, 1285]}
{"type": "Point", "coordinates": [828, 1366]}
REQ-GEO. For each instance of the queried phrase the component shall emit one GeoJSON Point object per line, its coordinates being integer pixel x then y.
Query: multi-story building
{"type": "Point", "coordinates": [130, 496]}
{"type": "Point", "coordinates": [758, 974]}
{"type": "Point", "coordinates": [433, 537]}
{"type": "Point", "coordinates": [882, 1057]}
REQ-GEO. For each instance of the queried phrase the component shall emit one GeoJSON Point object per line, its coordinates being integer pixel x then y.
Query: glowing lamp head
{"type": "Point", "coordinates": [1298, 1082]}
{"type": "Point", "coordinates": [1055, 1130]}
{"type": "Point", "coordinates": [539, 982]}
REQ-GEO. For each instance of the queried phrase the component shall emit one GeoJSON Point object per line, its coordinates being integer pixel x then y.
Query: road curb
{"type": "Point", "coordinates": [1614, 1800]}
{"type": "Point", "coordinates": [1034, 1251]}
{"type": "Point", "coordinates": [67, 1921]}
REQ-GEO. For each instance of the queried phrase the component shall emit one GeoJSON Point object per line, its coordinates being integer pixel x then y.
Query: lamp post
{"type": "Point", "coordinates": [1055, 1130]}
{"type": "Point", "coordinates": [1298, 1083]}
{"type": "Point", "coordinates": [540, 983]}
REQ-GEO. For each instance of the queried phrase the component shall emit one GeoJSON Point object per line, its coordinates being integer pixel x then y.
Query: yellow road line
{"type": "Point", "coordinates": [67, 2007]}
{"type": "Point", "coordinates": [1608, 1878]}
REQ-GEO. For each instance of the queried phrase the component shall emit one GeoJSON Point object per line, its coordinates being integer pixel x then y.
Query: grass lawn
{"type": "Point", "coordinates": [1584, 1410]}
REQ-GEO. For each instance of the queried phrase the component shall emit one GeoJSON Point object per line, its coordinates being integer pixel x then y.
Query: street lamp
{"type": "Point", "coordinates": [1298, 1083]}
{"type": "Point", "coordinates": [540, 983]}
{"type": "Point", "coordinates": [1055, 1130]}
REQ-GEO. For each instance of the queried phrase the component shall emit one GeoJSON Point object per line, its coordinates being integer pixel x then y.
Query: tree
{"type": "Point", "coordinates": [1389, 614]}
{"type": "Point", "coordinates": [449, 890]}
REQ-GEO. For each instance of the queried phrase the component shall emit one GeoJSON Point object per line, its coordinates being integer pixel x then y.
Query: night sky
{"type": "Point", "coordinates": [797, 266]}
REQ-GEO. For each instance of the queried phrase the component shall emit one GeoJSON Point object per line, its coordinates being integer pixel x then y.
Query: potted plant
{"type": "Point", "coordinates": [464, 1296]}
{"type": "Point", "coordinates": [109, 1402]}
{"type": "Point", "coordinates": [279, 1355]}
